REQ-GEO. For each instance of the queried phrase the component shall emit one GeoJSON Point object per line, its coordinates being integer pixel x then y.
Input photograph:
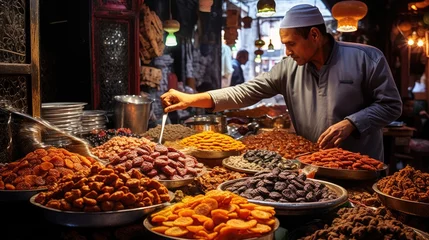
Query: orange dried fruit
{"type": "Point", "coordinates": [205, 235]}
{"type": "Point", "coordinates": [232, 215]}
{"type": "Point", "coordinates": [168, 223]}
{"type": "Point", "coordinates": [183, 221]}
{"type": "Point", "coordinates": [266, 209]}
{"type": "Point", "coordinates": [261, 228]}
{"type": "Point", "coordinates": [159, 219]}
{"type": "Point", "coordinates": [241, 224]}
{"type": "Point", "coordinates": [260, 214]}
{"type": "Point", "coordinates": [249, 206]}
{"type": "Point", "coordinates": [200, 218]}
{"type": "Point", "coordinates": [176, 231]}
{"type": "Point", "coordinates": [211, 202]}
{"type": "Point", "coordinates": [172, 217]}
{"type": "Point", "coordinates": [45, 166]}
{"type": "Point", "coordinates": [195, 229]}
{"type": "Point", "coordinates": [69, 163]}
{"type": "Point", "coordinates": [269, 222]}
{"type": "Point", "coordinates": [203, 209]}
{"type": "Point", "coordinates": [227, 233]}
{"type": "Point", "coordinates": [244, 213]}
{"type": "Point", "coordinates": [218, 227]}
{"type": "Point", "coordinates": [209, 224]}
{"type": "Point", "coordinates": [186, 212]}
{"type": "Point", "coordinates": [160, 229]}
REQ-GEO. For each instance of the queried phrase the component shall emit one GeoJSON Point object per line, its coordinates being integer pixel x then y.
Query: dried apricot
{"type": "Point", "coordinates": [241, 224]}
{"type": "Point", "coordinates": [209, 224]}
{"type": "Point", "coordinates": [183, 221]}
{"type": "Point", "coordinates": [160, 229]}
{"type": "Point", "coordinates": [186, 212]}
{"type": "Point", "coordinates": [176, 231]}
{"type": "Point", "coordinates": [195, 229]}
{"type": "Point", "coordinates": [260, 228]}
{"type": "Point", "coordinates": [159, 219]}
{"type": "Point", "coordinates": [203, 209]}
{"type": "Point", "coordinates": [205, 235]}
{"type": "Point", "coordinates": [260, 214]}
{"type": "Point", "coordinates": [45, 166]}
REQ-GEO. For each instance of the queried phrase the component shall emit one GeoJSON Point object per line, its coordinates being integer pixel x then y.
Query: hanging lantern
{"type": "Point", "coordinates": [266, 8]}
{"type": "Point", "coordinates": [258, 54]}
{"type": "Point", "coordinates": [206, 5]}
{"type": "Point", "coordinates": [247, 22]}
{"type": "Point", "coordinates": [259, 43]}
{"type": "Point", "coordinates": [171, 26]}
{"type": "Point", "coordinates": [348, 13]}
{"type": "Point", "coordinates": [270, 47]}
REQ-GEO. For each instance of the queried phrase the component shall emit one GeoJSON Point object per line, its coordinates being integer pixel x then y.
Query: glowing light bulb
{"type": "Point", "coordinates": [410, 42]}
{"type": "Point", "coordinates": [420, 43]}
{"type": "Point", "coordinates": [258, 59]}
{"type": "Point", "coordinates": [170, 40]}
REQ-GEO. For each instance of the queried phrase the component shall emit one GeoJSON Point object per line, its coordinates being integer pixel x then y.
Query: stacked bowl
{"type": "Point", "coordinates": [93, 120]}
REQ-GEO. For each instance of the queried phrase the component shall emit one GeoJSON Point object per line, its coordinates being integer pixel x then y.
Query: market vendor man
{"type": "Point", "coordinates": [337, 93]}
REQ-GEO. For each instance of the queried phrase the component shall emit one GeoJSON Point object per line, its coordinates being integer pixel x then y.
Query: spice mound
{"type": "Point", "coordinates": [119, 144]}
{"type": "Point", "coordinates": [282, 186]}
{"type": "Point", "coordinates": [211, 180]}
{"type": "Point", "coordinates": [215, 215]}
{"type": "Point", "coordinates": [172, 132]}
{"type": "Point", "coordinates": [364, 223]}
{"type": "Point", "coordinates": [104, 189]}
{"type": "Point", "coordinates": [342, 159]}
{"type": "Point", "coordinates": [41, 168]}
{"type": "Point", "coordinates": [408, 184]}
{"type": "Point", "coordinates": [212, 141]}
{"type": "Point", "coordinates": [287, 144]}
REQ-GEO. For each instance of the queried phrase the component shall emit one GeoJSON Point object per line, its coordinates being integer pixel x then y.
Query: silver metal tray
{"type": "Point", "coordinates": [61, 105]}
{"type": "Point", "coordinates": [19, 195]}
{"type": "Point", "coordinates": [212, 154]}
{"type": "Point", "coordinates": [97, 219]}
{"type": "Point", "coordinates": [402, 205]}
{"type": "Point", "coordinates": [345, 174]}
{"type": "Point", "coordinates": [268, 236]}
{"type": "Point", "coordinates": [300, 208]}
{"type": "Point", "coordinates": [248, 171]}
{"type": "Point", "coordinates": [172, 184]}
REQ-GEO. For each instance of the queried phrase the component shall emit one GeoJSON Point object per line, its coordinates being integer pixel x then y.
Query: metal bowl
{"type": "Point", "coordinates": [173, 184]}
{"type": "Point", "coordinates": [306, 208]}
{"type": "Point", "coordinates": [19, 195]}
{"type": "Point", "coordinates": [97, 219]}
{"type": "Point", "coordinates": [267, 236]}
{"type": "Point", "coordinates": [402, 205]}
{"type": "Point", "coordinates": [201, 123]}
{"type": "Point", "coordinates": [225, 163]}
{"type": "Point", "coordinates": [346, 174]}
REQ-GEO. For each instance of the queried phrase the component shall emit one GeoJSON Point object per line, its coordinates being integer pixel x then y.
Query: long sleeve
{"type": "Point", "coordinates": [386, 105]}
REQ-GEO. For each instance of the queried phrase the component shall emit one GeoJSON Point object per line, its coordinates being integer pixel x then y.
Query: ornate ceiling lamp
{"type": "Point", "coordinates": [266, 8]}
{"type": "Point", "coordinates": [258, 54]}
{"type": "Point", "coordinates": [270, 47]}
{"type": "Point", "coordinates": [259, 43]}
{"type": "Point", "coordinates": [171, 26]}
{"type": "Point", "coordinates": [348, 13]}
{"type": "Point", "coordinates": [247, 22]}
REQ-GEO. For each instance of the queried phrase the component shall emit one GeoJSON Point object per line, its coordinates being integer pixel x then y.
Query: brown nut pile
{"type": "Point", "coordinates": [42, 168]}
{"type": "Point", "coordinates": [104, 189]}
{"type": "Point", "coordinates": [364, 223]}
{"type": "Point", "coordinates": [287, 144]}
{"type": "Point", "coordinates": [211, 180]}
{"type": "Point", "coordinates": [118, 144]}
{"type": "Point", "coordinates": [343, 159]}
{"type": "Point", "coordinates": [282, 186]}
{"type": "Point", "coordinates": [408, 184]}
{"type": "Point", "coordinates": [363, 196]}
{"type": "Point", "coordinates": [163, 163]}
{"type": "Point", "coordinates": [172, 132]}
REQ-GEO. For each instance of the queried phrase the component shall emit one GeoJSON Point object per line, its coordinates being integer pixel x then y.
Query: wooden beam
{"type": "Point", "coordinates": [15, 68]}
{"type": "Point", "coordinates": [35, 57]}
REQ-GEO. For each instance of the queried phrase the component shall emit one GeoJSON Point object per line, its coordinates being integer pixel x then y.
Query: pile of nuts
{"type": "Point", "coordinates": [212, 141]}
{"type": "Point", "coordinates": [98, 137]}
{"type": "Point", "coordinates": [363, 196]}
{"type": "Point", "coordinates": [42, 168]}
{"type": "Point", "coordinates": [172, 132]}
{"type": "Point", "coordinates": [287, 144]}
{"type": "Point", "coordinates": [117, 145]}
{"type": "Point", "coordinates": [364, 223]}
{"type": "Point", "coordinates": [211, 180]}
{"type": "Point", "coordinates": [343, 159]}
{"type": "Point", "coordinates": [104, 189]}
{"type": "Point", "coordinates": [269, 160]}
{"type": "Point", "coordinates": [408, 184]}
{"type": "Point", "coordinates": [240, 163]}
{"type": "Point", "coordinates": [282, 186]}
{"type": "Point", "coordinates": [215, 215]}
{"type": "Point", "coordinates": [161, 163]}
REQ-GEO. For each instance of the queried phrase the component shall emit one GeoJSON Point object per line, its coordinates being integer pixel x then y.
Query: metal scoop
{"type": "Point", "coordinates": [164, 119]}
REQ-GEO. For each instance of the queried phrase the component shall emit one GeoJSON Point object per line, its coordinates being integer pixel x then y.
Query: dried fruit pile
{"type": "Point", "coordinates": [100, 136]}
{"type": "Point", "coordinates": [211, 180]}
{"type": "Point", "coordinates": [343, 159]}
{"type": "Point", "coordinates": [282, 186]}
{"type": "Point", "coordinates": [42, 168]}
{"type": "Point", "coordinates": [269, 160]}
{"type": "Point", "coordinates": [104, 189]}
{"type": "Point", "coordinates": [210, 140]}
{"type": "Point", "coordinates": [287, 144]}
{"type": "Point", "coordinates": [161, 163]}
{"type": "Point", "coordinates": [408, 184]}
{"type": "Point", "coordinates": [119, 144]}
{"type": "Point", "coordinates": [364, 223]}
{"type": "Point", "coordinates": [215, 215]}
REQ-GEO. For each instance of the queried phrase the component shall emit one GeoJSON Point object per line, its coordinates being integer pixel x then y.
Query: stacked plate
{"type": "Point", "coordinates": [64, 115]}
{"type": "Point", "coordinates": [93, 119]}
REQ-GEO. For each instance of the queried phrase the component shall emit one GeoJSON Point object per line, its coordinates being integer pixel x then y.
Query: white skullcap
{"type": "Point", "coordinates": [302, 15]}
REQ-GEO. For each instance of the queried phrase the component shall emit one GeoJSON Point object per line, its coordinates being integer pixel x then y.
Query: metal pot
{"type": "Point", "coordinates": [201, 123]}
{"type": "Point", "coordinates": [132, 111]}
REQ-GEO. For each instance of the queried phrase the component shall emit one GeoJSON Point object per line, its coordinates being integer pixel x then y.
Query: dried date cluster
{"type": "Point", "coordinates": [41, 168]}
{"type": "Point", "coordinates": [100, 136]}
{"type": "Point", "coordinates": [269, 160]}
{"type": "Point", "coordinates": [211, 180]}
{"type": "Point", "coordinates": [104, 189]}
{"type": "Point", "coordinates": [287, 144]}
{"type": "Point", "coordinates": [408, 184]}
{"type": "Point", "coordinates": [282, 186]}
{"type": "Point", "coordinates": [364, 223]}
{"type": "Point", "coordinates": [162, 163]}
{"type": "Point", "coordinates": [117, 145]}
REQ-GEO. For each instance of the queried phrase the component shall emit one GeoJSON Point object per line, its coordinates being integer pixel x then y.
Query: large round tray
{"type": "Point", "coordinates": [18, 195]}
{"type": "Point", "coordinates": [212, 154]}
{"type": "Point", "coordinates": [172, 184]}
{"type": "Point", "coordinates": [300, 208]}
{"type": "Point", "coordinates": [245, 170]}
{"type": "Point", "coordinates": [268, 236]}
{"type": "Point", "coordinates": [97, 219]}
{"type": "Point", "coordinates": [345, 174]}
{"type": "Point", "coordinates": [402, 205]}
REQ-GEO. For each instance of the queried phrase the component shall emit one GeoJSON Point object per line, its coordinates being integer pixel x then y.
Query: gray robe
{"type": "Point", "coordinates": [355, 83]}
